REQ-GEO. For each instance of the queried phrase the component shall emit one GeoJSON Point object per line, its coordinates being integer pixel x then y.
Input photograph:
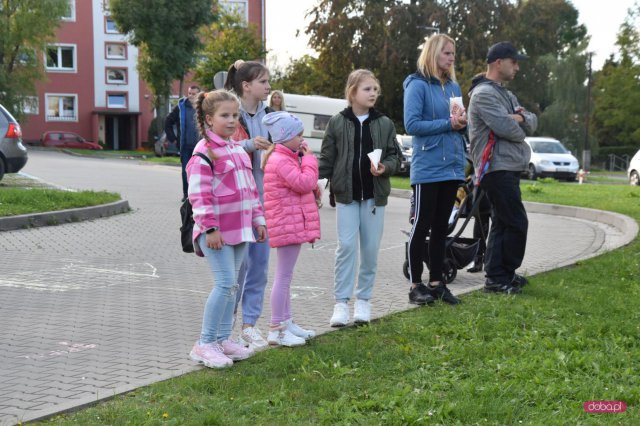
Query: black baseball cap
{"type": "Point", "coordinates": [504, 50]}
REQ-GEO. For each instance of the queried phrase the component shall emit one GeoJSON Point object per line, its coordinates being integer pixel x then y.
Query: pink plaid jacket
{"type": "Point", "coordinates": [228, 197]}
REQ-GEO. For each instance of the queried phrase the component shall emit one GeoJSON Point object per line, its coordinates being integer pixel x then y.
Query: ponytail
{"type": "Point", "coordinates": [241, 71]}
{"type": "Point", "coordinates": [266, 155]}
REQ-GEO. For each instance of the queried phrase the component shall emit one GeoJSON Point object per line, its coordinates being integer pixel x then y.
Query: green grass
{"type": "Point", "coordinates": [112, 153]}
{"type": "Point", "coordinates": [532, 359]}
{"type": "Point", "coordinates": [164, 160]}
{"type": "Point", "coordinates": [20, 195]}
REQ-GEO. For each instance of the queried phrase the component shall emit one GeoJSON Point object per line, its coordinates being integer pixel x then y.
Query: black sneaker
{"type": "Point", "coordinates": [442, 292]}
{"type": "Point", "coordinates": [420, 295]}
{"type": "Point", "coordinates": [519, 281]}
{"type": "Point", "coordinates": [498, 287]}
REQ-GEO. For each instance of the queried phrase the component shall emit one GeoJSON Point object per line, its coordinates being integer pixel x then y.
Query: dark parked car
{"type": "Point", "coordinates": [13, 154]}
{"type": "Point", "coordinates": [163, 147]}
{"type": "Point", "coordinates": [55, 139]}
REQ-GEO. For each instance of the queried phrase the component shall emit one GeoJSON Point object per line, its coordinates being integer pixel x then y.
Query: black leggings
{"type": "Point", "coordinates": [434, 204]}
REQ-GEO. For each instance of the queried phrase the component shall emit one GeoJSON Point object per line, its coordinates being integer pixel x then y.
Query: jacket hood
{"type": "Point", "coordinates": [373, 114]}
{"type": "Point", "coordinates": [418, 76]}
{"type": "Point", "coordinates": [478, 80]}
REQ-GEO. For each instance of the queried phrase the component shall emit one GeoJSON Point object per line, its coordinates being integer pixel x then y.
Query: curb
{"type": "Point", "coordinates": [32, 220]}
{"type": "Point", "coordinates": [626, 225]}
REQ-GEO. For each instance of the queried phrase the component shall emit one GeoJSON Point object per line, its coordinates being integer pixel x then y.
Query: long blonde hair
{"type": "Point", "coordinates": [207, 104]}
{"type": "Point", "coordinates": [354, 79]}
{"type": "Point", "coordinates": [266, 155]}
{"type": "Point", "coordinates": [428, 60]}
{"type": "Point", "coordinates": [282, 105]}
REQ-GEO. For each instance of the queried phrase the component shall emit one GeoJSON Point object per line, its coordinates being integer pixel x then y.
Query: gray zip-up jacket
{"type": "Point", "coordinates": [489, 108]}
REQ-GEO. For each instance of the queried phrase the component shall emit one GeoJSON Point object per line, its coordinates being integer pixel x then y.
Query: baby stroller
{"type": "Point", "coordinates": [459, 251]}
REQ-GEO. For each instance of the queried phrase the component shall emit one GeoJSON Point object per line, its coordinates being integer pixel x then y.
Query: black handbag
{"type": "Point", "coordinates": [186, 217]}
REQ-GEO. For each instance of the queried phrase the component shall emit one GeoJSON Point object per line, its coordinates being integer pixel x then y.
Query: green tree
{"type": "Point", "coordinates": [617, 92]}
{"type": "Point", "coordinates": [565, 117]}
{"type": "Point", "coordinates": [302, 76]}
{"type": "Point", "coordinates": [166, 33]}
{"type": "Point", "coordinates": [25, 27]}
{"type": "Point", "coordinates": [543, 27]}
{"type": "Point", "coordinates": [227, 40]}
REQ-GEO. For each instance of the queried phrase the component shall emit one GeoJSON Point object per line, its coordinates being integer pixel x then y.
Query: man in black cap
{"type": "Point", "coordinates": [497, 126]}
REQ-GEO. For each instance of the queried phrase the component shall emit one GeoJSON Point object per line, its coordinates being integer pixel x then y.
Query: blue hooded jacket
{"type": "Point", "coordinates": [438, 150]}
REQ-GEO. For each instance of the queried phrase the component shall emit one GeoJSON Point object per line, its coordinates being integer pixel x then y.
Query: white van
{"type": "Point", "coordinates": [314, 112]}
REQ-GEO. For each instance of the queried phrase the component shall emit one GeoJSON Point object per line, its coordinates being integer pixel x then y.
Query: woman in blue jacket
{"type": "Point", "coordinates": [434, 115]}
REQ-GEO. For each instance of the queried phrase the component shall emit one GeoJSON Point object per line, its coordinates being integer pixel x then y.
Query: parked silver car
{"type": "Point", "coordinates": [549, 158]}
{"type": "Point", "coordinates": [406, 144]}
{"type": "Point", "coordinates": [634, 170]}
{"type": "Point", "coordinates": [13, 154]}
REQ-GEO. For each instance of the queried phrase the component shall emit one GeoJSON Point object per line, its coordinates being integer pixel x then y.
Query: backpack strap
{"type": "Point", "coordinates": [205, 158]}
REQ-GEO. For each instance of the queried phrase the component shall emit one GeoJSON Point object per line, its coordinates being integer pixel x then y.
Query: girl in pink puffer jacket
{"type": "Point", "coordinates": [291, 212]}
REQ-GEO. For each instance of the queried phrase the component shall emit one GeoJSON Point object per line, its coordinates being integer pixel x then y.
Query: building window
{"type": "Point", "coordinates": [30, 105]}
{"type": "Point", "coordinates": [60, 57]}
{"type": "Point", "coordinates": [236, 7]}
{"type": "Point", "coordinates": [110, 25]}
{"type": "Point", "coordinates": [116, 51]}
{"type": "Point", "coordinates": [71, 15]}
{"type": "Point", "coordinates": [62, 107]}
{"type": "Point", "coordinates": [116, 76]}
{"type": "Point", "coordinates": [116, 100]}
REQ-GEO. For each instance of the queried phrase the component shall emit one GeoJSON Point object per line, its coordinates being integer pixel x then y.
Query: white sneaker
{"type": "Point", "coordinates": [362, 312]}
{"type": "Point", "coordinates": [283, 337]}
{"type": "Point", "coordinates": [340, 316]}
{"type": "Point", "coordinates": [296, 330]}
{"type": "Point", "coordinates": [252, 338]}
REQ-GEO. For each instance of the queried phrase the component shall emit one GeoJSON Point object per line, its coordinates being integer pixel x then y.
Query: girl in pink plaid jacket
{"type": "Point", "coordinates": [226, 209]}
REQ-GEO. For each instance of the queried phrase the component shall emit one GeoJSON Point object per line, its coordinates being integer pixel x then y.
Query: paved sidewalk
{"type": "Point", "coordinates": [96, 308]}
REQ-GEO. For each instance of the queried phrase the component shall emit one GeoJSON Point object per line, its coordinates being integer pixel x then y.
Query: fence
{"type": "Point", "coordinates": [618, 163]}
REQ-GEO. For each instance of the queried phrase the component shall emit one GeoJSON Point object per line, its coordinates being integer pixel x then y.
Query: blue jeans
{"type": "Point", "coordinates": [252, 281]}
{"type": "Point", "coordinates": [360, 222]}
{"type": "Point", "coordinates": [218, 311]}
{"type": "Point", "coordinates": [509, 226]}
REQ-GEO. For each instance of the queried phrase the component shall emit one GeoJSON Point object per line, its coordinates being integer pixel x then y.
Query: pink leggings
{"type": "Point", "coordinates": [280, 293]}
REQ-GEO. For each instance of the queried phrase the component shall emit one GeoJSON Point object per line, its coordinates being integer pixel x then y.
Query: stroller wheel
{"type": "Point", "coordinates": [405, 269]}
{"type": "Point", "coordinates": [449, 271]}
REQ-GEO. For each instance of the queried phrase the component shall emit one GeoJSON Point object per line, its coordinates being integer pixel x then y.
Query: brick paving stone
{"type": "Point", "coordinates": [104, 306]}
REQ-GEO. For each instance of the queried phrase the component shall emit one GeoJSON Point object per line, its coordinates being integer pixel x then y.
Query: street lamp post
{"type": "Point", "coordinates": [586, 153]}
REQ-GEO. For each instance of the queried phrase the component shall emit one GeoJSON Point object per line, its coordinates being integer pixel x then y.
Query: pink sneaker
{"type": "Point", "coordinates": [236, 351]}
{"type": "Point", "coordinates": [211, 355]}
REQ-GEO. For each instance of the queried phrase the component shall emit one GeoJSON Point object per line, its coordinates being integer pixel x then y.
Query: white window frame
{"type": "Point", "coordinates": [31, 105]}
{"type": "Point", "coordinates": [72, 12]}
{"type": "Point", "coordinates": [73, 118]}
{"type": "Point", "coordinates": [122, 70]}
{"type": "Point", "coordinates": [124, 95]}
{"type": "Point", "coordinates": [106, 27]}
{"type": "Point", "coordinates": [106, 51]}
{"type": "Point", "coordinates": [61, 69]}
{"type": "Point", "coordinates": [240, 7]}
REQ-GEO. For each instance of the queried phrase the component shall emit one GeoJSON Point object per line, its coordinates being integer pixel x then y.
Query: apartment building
{"type": "Point", "coordinates": [92, 86]}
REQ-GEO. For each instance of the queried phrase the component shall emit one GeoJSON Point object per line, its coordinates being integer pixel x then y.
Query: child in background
{"type": "Point", "coordinates": [290, 194]}
{"type": "Point", "coordinates": [226, 209]}
{"type": "Point", "coordinates": [361, 191]}
{"type": "Point", "coordinates": [250, 81]}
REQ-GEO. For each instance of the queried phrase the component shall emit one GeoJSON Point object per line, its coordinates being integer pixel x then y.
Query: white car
{"type": "Point", "coordinates": [634, 170]}
{"type": "Point", "coordinates": [549, 158]}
